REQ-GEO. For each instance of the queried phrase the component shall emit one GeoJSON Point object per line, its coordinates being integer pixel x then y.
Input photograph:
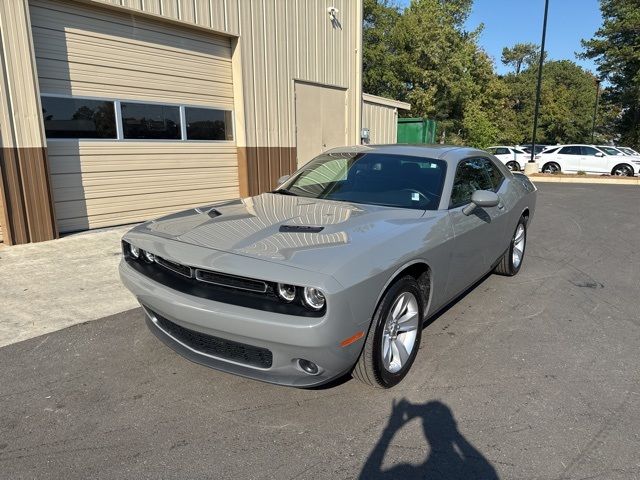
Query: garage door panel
{"type": "Point", "coordinates": [77, 187]}
{"type": "Point", "coordinates": [125, 203]}
{"type": "Point", "coordinates": [140, 93]}
{"type": "Point", "coordinates": [110, 22]}
{"type": "Point", "coordinates": [59, 43]}
{"type": "Point", "coordinates": [129, 80]}
{"type": "Point", "coordinates": [82, 50]}
{"type": "Point", "coordinates": [123, 217]}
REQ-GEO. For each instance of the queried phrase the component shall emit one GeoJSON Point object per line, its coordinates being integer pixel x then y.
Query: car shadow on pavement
{"type": "Point", "coordinates": [449, 455]}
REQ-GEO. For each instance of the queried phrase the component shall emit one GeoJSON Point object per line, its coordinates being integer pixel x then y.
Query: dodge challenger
{"type": "Point", "coordinates": [336, 270]}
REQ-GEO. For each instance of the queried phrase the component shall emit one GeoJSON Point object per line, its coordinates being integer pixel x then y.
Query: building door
{"type": "Point", "coordinates": [138, 114]}
{"type": "Point", "coordinates": [321, 114]}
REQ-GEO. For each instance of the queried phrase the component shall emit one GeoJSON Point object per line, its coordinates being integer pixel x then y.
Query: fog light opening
{"type": "Point", "coordinates": [308, 367]}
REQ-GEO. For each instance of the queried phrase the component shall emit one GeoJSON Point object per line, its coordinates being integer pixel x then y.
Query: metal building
{"type": "Point", "coordinates": [116, 111]}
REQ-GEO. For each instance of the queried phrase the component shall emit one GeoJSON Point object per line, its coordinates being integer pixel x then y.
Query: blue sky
{"type": "Point", "coordinates": [507, 22]}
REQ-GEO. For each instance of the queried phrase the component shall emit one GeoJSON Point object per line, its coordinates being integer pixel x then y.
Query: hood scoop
{"type": "Point", "coordinates": [300, 229]}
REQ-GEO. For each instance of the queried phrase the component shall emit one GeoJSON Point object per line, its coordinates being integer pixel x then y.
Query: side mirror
{"type": "Point", "coordinates": [283, 179]}
{"type": "Point", "coordinates": [483, 199]}
{"type": "Point", "coordinates": [599, 154]}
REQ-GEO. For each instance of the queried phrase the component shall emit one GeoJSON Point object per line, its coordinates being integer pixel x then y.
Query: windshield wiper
{"type": "Point", "coordinates": [283, 191]}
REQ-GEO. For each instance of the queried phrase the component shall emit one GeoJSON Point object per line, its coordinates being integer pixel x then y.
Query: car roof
{"type": "Point", "coordinates": [442, 152]}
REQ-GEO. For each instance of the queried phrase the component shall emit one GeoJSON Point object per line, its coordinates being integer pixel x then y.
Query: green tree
{"type": "Point", "coordinates": [566, 102]}
{"type": "Point", "coordinates": [521, 55]}
{"type": "Point", "coordinates": [616, 50]}
{"type": "Point", "coordinates": [439, 62]}
{"type": "Point", "coordinates": [378, 59]}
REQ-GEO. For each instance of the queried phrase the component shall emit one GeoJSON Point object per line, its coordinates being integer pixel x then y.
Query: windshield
{"type": "Point", "coordinates": [610, 150]}
{"type": "Point", "coordinates": [628, 151]}
{"type": "Point", "coordinates": [371, 178]}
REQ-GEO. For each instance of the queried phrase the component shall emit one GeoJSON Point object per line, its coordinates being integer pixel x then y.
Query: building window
{"type": "Point", "coordinates": [208, 124]}
{"type": "Point", "coordinates": [150, 121]}
{"type": "Point", "coordinates": [78, 118]}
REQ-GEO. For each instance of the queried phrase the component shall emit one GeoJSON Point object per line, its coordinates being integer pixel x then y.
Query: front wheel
{"type": "Point", "coordinates": [511, 262]}
{"type": "Point", "coordinates": [394, 337]}
{"type": "Point", "coordinates": [551, 167]}
{"type": "Point", "coordinates": [513, 166]}
{"type": "Point", "coordinates": [622, 170]}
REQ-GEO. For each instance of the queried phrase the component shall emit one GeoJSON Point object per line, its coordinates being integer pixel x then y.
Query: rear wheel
{"type": "Point", "coordinates": [551, 167]}
{"type": "Point", "coordinates": [513, 166]}
{"type": "Point", "coordinates": [622, 170]}
{"type": "Point", "coordinates": [394, 337]}
{"type": "Point", "coordinates": [511, 262]}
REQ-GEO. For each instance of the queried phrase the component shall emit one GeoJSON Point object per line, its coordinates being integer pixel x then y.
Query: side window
{"type": "Point", "coordinates": [471, 175]}
{"type": "Point", "coordinates": [572, 150]}
{"type": "Point", "coordinates": [495, 175]}
{"type": "Point", "coordinates": [78, 118]}
{"type": "Point", "coordinates": [588, 151]}
{"type": "Point", "coordinates": [150, 121]}
{"type": "Point", "coordinates": [502, 151]}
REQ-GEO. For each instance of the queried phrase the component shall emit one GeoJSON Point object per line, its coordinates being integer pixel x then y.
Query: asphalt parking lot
{"type": "Point", "coordinates": [531, 377]}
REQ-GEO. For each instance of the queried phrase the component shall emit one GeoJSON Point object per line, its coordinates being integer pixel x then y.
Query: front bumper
{"type": "Point", "coordinates": [287, 337]}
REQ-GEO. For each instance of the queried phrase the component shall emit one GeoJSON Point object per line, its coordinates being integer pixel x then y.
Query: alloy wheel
{"type": "Point", "coordinates": [400, 331]}
{"type": "Point", "coordinates": [519, 239]}
{"type": "Point", "coordinates": [623, 171]}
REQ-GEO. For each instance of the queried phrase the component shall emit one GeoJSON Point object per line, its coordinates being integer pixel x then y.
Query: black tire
{"type": "Point", "coordinates": [551, 167]}
{"type": "Point", "coordinates": [369, 368]}
{"type": "Point", "coordinates": [622, 170]}
{"type": "Point", "coordinates": [513, 166]}
{"type": "Point", "coordinates": [506, 266]}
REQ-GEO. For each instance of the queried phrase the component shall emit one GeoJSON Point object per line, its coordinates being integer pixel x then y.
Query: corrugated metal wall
{"type": "Point", "coordinates": [380, 116]}
{"type": "Point", "coordinates": [220, 15]}
{"type": "Point", "coordinates": [85, 51]}
{"type": "Point", "coordinates": [25, 192]}
{"type": "Point", "coordinates": [281, 40]}
{"type": "Point", "coordinates": [273, 43]}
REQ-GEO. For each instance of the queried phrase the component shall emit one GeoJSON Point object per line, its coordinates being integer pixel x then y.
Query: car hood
{"type": "Point", "coordinates": [297, 231]}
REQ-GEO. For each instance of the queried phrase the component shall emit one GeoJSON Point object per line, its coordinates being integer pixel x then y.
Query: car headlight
{"type": "Point", "coordinates": [134, 251]}
{"type": "Point", "coordinates": [313, 298]}
{"type": "Point", "coordinates": [287, 292]}
{"type": "Point", "coordinates": [148, 256]}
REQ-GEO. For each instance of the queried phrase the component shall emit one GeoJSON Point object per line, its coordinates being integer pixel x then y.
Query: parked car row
{"type": "Point", "coordinates": [597, 159]}
{"type": "Point", "coordinates": [594, 159]}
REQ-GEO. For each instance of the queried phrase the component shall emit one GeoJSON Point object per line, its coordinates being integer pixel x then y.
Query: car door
{"type": "Point", "coordinates": [593, 163]}
{"type": "Point", "coordinates": [569, 158]}
{"type": "Point", "coordinates": [503, 154]}
{"type": "Point", "coordinates": [478, 238]}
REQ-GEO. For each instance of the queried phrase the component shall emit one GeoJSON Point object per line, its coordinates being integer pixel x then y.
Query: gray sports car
{"type": "Point", "coordinates": [337, 269]}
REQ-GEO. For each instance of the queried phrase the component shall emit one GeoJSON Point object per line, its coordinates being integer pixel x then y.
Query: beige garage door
{"type": "Point", "coordinates": [321, 119]}
{"type": "Point", "coordinates": [158, 96]}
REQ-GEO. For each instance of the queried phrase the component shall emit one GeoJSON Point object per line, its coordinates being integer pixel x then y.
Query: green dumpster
{"type": "Point", "coordinates": [416, 130]}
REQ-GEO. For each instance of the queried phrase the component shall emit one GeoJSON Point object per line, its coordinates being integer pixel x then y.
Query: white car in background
{"type": "Point", "coordinates": [613, 151]}
{"type": "Point", "coordinates": [588, 159]}
{"type": "Point", "coordinates": [629, 151]}
{"type": "Point", "coordinates": [514, 158]}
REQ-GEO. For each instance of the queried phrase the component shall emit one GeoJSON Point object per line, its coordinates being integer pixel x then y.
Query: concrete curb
{"type": "Point", "coordinates": [586, 179]}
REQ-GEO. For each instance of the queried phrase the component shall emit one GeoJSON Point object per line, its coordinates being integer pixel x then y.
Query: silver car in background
{"type": "Point", "coordinates": [337, 269]}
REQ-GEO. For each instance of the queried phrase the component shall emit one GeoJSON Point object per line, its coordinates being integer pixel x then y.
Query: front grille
{"type": "Point", "coordinates": [231, 281]}
{"type": "Point", "coordinates": [175, 267]}
{"type": "Point", "coordinates": [217, 347]}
